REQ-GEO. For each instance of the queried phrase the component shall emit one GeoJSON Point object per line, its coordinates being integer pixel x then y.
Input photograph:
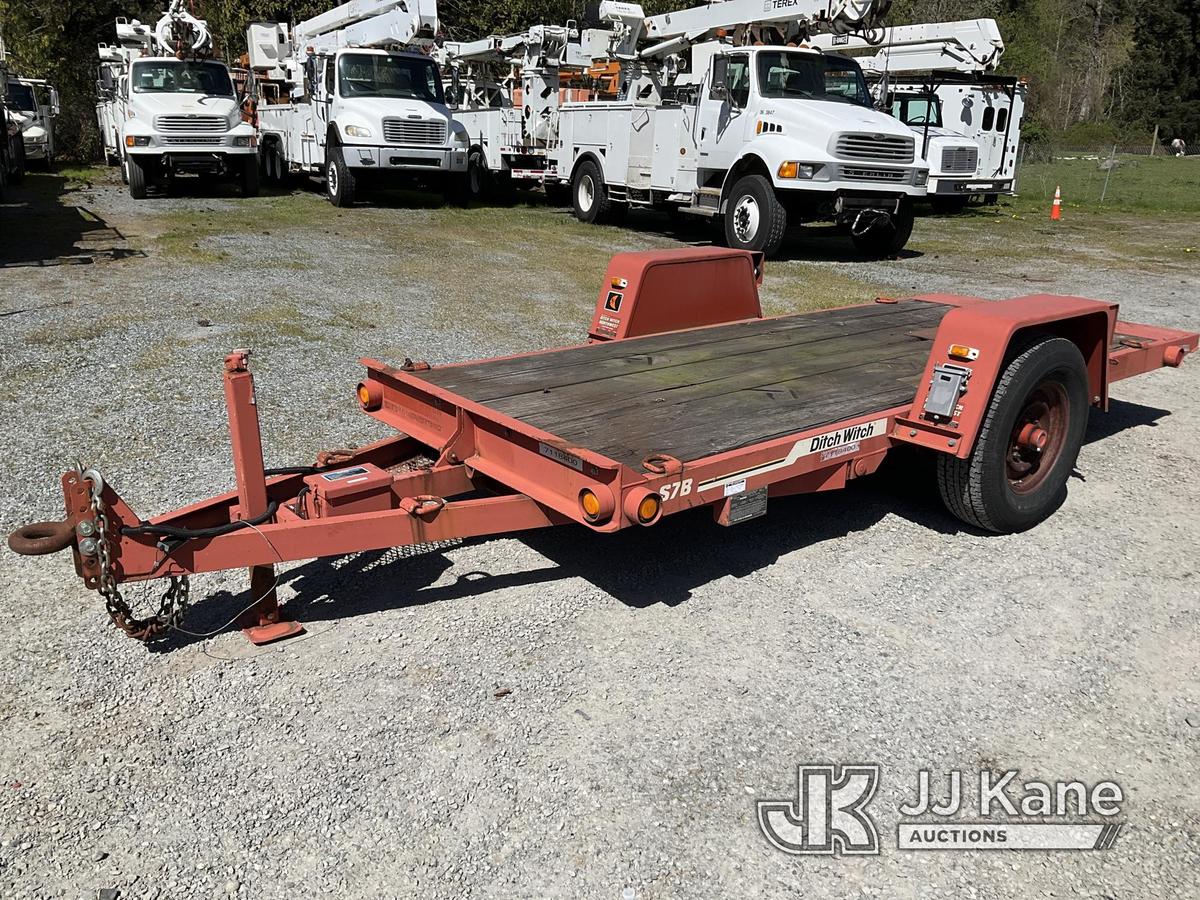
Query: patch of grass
{"type": "Point", "coordinates": [66, 333]}
{"type": "Point", "coordinates": [282, 320]}
{"type": "Point", "coordinates": [183, 232]}
{"type": "Point", "coordinates": [1138, 184]}
{"type": "Point", "coordinates": [81, 176]}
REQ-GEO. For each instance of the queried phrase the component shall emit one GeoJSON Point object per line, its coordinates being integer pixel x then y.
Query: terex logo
{"type": "Point", "coordinates": [828, 815]}
{"type": "Point", "coordinates": [770, 5]}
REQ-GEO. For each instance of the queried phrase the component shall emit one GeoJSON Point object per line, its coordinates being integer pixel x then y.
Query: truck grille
{"type": "Point", "coordinates": [414, 131]}
{"type": "Point", "coordinates": [960, 160]}
{"type": "Point", "coordinates": [856, 173]}
{"type": "Point", "coordinates": [193, 124]}
{"type": "Point", "coordinates": [194, 141]}
{"type": "Point", "coordinates": [875, 148]}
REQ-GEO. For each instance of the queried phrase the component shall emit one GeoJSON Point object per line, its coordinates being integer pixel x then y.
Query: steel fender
{"type": "Point", "coordinates": [996, 330]}
{"type": "Point", "coordinates": [750, 160]}
{"type": "Point", "coordinates": [594, 157]}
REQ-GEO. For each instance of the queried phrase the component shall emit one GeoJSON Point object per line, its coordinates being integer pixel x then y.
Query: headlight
{"type": "Point", "coordinates": [137, 140]}
{"type": "Point", "coordinates": [245, 140]}
{"type": "Point", "coordinates": [357, 131]}
{"type": "Point", "coordinates": [803, 171]}
{"type": "Point", "coordinates": [922, 178]}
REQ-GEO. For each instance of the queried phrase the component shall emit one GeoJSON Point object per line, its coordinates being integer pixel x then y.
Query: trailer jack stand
{"type": "Point", "coordinates": [260, 623]}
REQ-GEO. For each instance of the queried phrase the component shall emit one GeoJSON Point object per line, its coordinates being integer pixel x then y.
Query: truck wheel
{"type": "Point", "coordinates": [248, 177]}
{"type": "Point", "coordinates": [136, 174]}
{"type": "Point", "coordinates": [589, 194]}
{"type": "Point", "coordinates": [123, 164]}
{"type": "Point", "coordinates": [948, 205]}
{"type": "Point", "coordinates": [883, 241]}
{"type": "Point", "coordinates": [479, 179]}
{"type": "Point", "coordinates": [1017, 474]}
{"type": "Point", "coordinates": [340, 182]}
{"type": "Point", "coordinates": [754, 218]}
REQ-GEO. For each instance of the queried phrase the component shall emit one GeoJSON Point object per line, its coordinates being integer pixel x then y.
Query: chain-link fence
{"type": "Point", "coordinates": [1112, 175]}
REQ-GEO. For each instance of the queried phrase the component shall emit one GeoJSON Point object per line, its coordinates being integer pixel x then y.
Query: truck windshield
{"type": "Point", "coordinates": [918, 110]}
{"type": "Point", "coordinates": [21, 96]}
{"type": "Point", "coordinates": [809, 76]}
{"type": "Point", "coordinates": [375, 75]}
{"type": "Point", "coordinates": [173, 76]}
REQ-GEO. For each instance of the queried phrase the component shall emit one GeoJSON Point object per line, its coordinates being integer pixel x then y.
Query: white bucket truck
{"type": "Point", "coordinates": [180, 111]}
{"type": "Point", "coordinates": [720, 115]}
{"type": "Point", "coordinates": [37, 100]}
{"type": "Point", "coordinates": [939, 78]}
{"type": "Point", "coordinates": [351, 95]}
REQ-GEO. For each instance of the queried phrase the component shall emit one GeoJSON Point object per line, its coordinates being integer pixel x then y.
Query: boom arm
{"type": "Point", "coordinates": [370, 23]}
{"type": "Point", "coordinates": [970, 46]}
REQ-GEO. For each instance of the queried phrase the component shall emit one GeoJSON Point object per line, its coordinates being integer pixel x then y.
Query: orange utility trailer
{"type": "Point", "coordinates": [684, 395]}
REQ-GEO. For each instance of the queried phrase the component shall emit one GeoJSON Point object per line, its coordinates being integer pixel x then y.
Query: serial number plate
{"type": "Point", "coordinates": [747, 505]}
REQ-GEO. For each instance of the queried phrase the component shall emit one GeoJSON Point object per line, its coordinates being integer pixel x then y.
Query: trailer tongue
{"type": "Point", "coordinates": [684, 397]}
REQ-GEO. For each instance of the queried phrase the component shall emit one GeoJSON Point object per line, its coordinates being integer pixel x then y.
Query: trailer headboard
{"type": "Point", "coordinates": [669, 290]}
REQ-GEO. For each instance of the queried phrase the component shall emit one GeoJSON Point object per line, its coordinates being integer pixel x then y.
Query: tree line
{"type": "Point", "coordinates": [1100, 71]}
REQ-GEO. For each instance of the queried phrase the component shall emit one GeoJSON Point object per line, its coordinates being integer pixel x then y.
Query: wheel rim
{"type": "Point", "coordinates": [587, 192]}
{"type": "Point", "coordinates": [1038, 437]}
{"type": "Point", "coordinates": [331, 177]}
{"type": "Point", "coordinates": [746, 216]}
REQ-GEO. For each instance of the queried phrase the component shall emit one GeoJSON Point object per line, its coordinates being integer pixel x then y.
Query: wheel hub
{"type": "Point", "coordinates": [332, 177]}
{"type": "Point", "coordinates": [745, 219]}
{"type": "Point", "coordinates": [1038, 437]}
{"type": "Point", "coordinates": [587, 193]}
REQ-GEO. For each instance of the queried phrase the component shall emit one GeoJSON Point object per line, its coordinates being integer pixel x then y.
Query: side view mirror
{"type": "Point", "coordinates": [720, 79]}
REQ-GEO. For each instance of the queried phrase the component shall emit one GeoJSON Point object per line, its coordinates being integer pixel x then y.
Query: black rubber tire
{"type": "Point", "coordinates": [340, 183]}
{"type": "Point", "coordinates": [248, 177]}
{"type": "Point", "coordinates": [479, 182]}
{"type": "Point", "coordinates": [589, 182]}
{"type": "Point", "coordinates": [754, 217]}
{"type": "Point", "coordinates": [948, 205]}
{"type": "Point", "coordinates": [887, 240]}
{"type": "Point", "coordinates": [977, 489]}
{"type": "Point", "coordinates": [18, 173]}
{"type": "Point", "coordinates": [124, 167]}
{"type": "Point", "coordinates": [136, 172]}
{"type": "Point", "coordinates": [991, 199]}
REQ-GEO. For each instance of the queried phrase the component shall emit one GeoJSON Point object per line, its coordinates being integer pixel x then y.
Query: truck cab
{"type": "Point", "coordinates": [37, 102]}
{"type": "Point", "coordinates": [182, 115]}
{"type": "Point", "coordinates": [953, 160]}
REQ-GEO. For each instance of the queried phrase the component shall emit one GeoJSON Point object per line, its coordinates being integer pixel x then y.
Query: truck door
{"type": "Point", "coordinates": [722, 111]}
{"type": "Point", "coordinates": [323, 106]}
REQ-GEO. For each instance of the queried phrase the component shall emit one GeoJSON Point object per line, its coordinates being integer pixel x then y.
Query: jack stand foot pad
{"type": "Point", "coordinates": [269, 634]}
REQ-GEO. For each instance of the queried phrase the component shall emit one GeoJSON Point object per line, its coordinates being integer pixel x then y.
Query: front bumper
{"type": "Point", "coordinates": [412, 159]}
{"type": "Point", "coordinates": [35, 149]}
{"type": "Point", "coordinates": [943, 186]}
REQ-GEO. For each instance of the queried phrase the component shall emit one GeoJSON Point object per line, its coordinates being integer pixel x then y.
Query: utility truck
{"type": "Point", "coordinates": [173, 105]}
{"type": "Point", "coordinates": [940, 79]}
{"type": "Point", "coordinates": [352, 95]}
{"type": "Point", "coordinates": [720, 115]}
{"type": "Point", "coordinates": [37, 100]}
{"type": "Point", "coordinates": [12, 123]}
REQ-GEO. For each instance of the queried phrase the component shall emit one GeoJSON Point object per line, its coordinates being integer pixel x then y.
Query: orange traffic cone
{"type": "Point", "coordinates": [1056, 209]}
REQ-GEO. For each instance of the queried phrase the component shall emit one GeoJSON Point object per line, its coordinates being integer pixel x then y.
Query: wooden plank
{"type": "Point", "coordinates": [570, 384]}
{"type": "Point", "coordinates": [665, 389]}
{"type": "Point", "coordinates": [470, 379]}
{"type": "Point", "coordinates": [755, 415]}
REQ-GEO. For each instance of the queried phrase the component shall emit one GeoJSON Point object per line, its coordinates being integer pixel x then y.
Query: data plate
{"type": "Point", "coordinates": [747, 505]}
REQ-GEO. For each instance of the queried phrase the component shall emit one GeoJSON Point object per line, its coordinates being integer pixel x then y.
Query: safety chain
{"type": "Point", "coordinates": [174, 600]}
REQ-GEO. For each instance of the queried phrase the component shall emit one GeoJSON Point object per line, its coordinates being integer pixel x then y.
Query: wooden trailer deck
{"type": "Point", "coordinates": [698, 393]}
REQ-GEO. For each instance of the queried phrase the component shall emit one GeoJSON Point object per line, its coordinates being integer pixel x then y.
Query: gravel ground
{"type": "Point", "coordinates": [655, 688]}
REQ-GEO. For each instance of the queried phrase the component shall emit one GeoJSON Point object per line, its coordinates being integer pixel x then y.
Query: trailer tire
{"type": "Point", "coordinates": [135, 174]}
{"type": "Point", "coordinates": [1008, 484]}
{"type": "Point", "coordinates": [754, 217]}
{"type": "Point", "coordinates": [340, 183]}
{"type": "Point", "coordinates": [589, 194]}
{"type": "Point", "coordinates": [248, 177]}
{"type": "Point", "coordinates": [883, 241]}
